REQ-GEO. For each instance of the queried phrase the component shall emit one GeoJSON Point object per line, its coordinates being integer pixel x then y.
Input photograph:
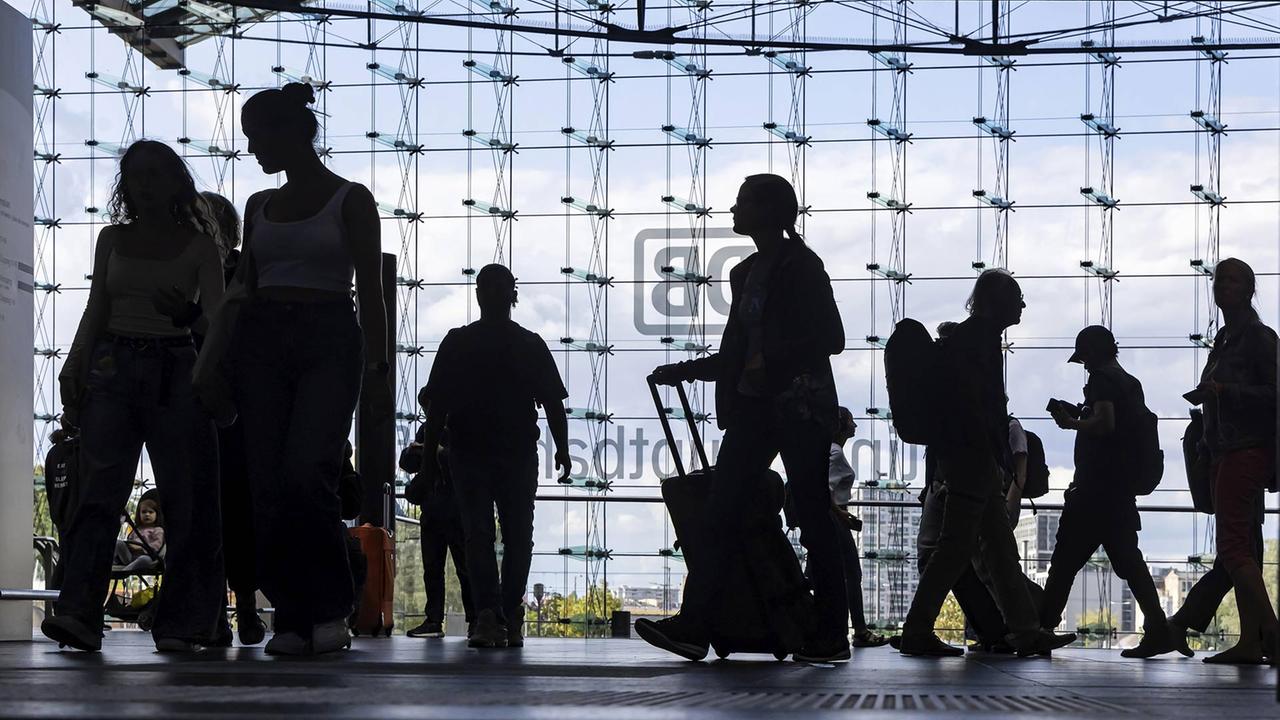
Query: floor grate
{"type": "Point", "coordinates": [760, 701]}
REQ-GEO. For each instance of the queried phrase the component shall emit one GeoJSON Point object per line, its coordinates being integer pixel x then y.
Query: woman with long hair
{"type": "Point", "coordinates": [775, 395]}
{"type": "Point", "coordinates": [1238, 390]}
{"type": "Point", "coordinates": [127, 384]}
{"type": "Point", "coordinates": [300, 355]}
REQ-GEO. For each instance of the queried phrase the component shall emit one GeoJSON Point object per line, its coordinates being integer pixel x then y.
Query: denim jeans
{"type": "Point", "coordinates": [509, 482]}
{"type": "Point", "coordinates": [297, 371]}
{"type": "Point", "coordinates": [139, 394]}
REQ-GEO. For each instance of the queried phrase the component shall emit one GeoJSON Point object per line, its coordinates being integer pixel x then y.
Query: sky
{"type": "Point", "coordinates": [1157, 301]}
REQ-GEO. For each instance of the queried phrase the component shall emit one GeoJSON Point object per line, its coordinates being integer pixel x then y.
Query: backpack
{"type": "Point", "coordinates": [61, 480]}
{"type": "Point", "coordinates": [1148, 466]}
{"type": "Point", "coordinates": [1037, 468]}
{"type": "Point", "coordinates": [912, 364]}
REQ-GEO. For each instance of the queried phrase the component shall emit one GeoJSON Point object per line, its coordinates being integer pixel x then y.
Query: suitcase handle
{"type": "Point", "coordinates": [666, 425]}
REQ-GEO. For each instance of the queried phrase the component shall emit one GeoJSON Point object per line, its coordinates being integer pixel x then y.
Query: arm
{"type": "Point", "coordinates": [558, 423]}
{"type": "Point", "coordinates": [211, 289]}
{"type": "Point", "coordinates": [92, 324]}
{"type": "Point", "coordinates": [1013, 498]}
{"type": "Point", "coordinates": [364, 241]}
{"type": "Point", "coordinates": [1260, 394]}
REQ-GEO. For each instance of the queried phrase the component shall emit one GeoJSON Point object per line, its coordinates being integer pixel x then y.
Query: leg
{"type": "Point", "coordinates": [473, 484]}
{"type": "Point", "coordinates": [957, 538]}
{"type": "Point", "coordinates": [979, 608]}
{"type": "Point", "coordinates": [1129, 565]}
{"type": "Point", "coordinates": [852, 575]}
{"type": "Point", "coordinates": [804, 450]}
{"type": "Point", "coordinates": [1075, 544]}
{"type": "Point", "coordinates": [434, 547]}
{"type": "Point", "coordinates": [237, 516]}
{"type": "Point", "coordinates": [110, 445]}
{"type": "Point", "coordinates": [457, 549]}
{"type": "Point", "coordinates": [182, 443]}
{"type": "Point", "coordinates": [999, 561]}
{"type": "Point", "coordinates": [514, 497]}
{"type": "Point", "coordinates": [1242, 476]}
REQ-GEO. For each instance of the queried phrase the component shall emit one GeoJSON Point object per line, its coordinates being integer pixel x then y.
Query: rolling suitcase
{"type": "Point", "coordinates": [765, 602]}
{"type": "Point", "coordinates": [375, 602]}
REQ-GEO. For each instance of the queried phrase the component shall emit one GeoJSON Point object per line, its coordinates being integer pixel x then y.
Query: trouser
{"type": "Point", "coordinates": [139, 394]}
{"type": "Point", "coordinates": [297, 370]}
{"type": "Point", "coordinates": [755, 437]}
{"type": "Point", "coordinates": [1240, 478]}
{"type": "Point", "coordinates": [1082, 529]}
{"type": "Point", "coordinates": [1202, 601]}
{"type": "Point", "coordinates": [979, 608]}
{"type": "Point", "coordinates": [237, 512]}
{"type": "Point", "coordinates": [852, 573]}
{"type": "Point", "coordinates": [974, 519]}
{"type": "Point", "coordinates": [509, 482]}
{"type": "Point", "coordinates": [441, 534]}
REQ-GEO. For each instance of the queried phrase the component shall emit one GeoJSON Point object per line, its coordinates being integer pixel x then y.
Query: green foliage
{"type": "Point", "coordinates": [1226, 622]}
{"type": "Point", "coordinates": [950, 622]}
{"type": "Point", "coordinates": [571, 615]}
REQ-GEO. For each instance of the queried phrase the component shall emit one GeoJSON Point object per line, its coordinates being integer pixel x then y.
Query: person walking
{"type": "Point", "coordinates": [775, 395]}
{"type": "Point", "coordinates": [126, 384]}
{"type": "Point", "coordinates": [841, 478]}
{"type": "Point", "coordinates": [1100, 508]}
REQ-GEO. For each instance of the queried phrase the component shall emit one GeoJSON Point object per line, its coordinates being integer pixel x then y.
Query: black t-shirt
{"type": "Point", "coordinates": [1103, 462]}
{"type": "Point", "coordinates": [487, 377]}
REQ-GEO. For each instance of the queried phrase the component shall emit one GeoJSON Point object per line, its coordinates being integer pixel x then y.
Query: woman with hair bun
{"type": "Point", "coordinates": [298, 358]}
{"type": "Point", "coordinates": [126, 384]}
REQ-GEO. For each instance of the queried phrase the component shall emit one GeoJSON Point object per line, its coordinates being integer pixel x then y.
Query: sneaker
{"type": "Point", "coordinates": [427, 629]}
{"type": "Point", "coordinates": [70, 632]}
{"type": "Point", "coordinates": [1043, 643]}
{"type": "Point", "coordinates": [488, 632]}
{"type": "Point", "coordinates": [993, 647]}
{"type": "Point", "coordinates": [927, 646]}
{"type": "Point", "coordinates": [288, 643]}
{"type": "Point", "coordinates": [675, 635]}
{"type": "Point", "coordinates": [868, 639]}
{"type": "Point", "coordinates": [177, 645]}
{"type": "Point", "coordinates": [818, 654]}
{"type": "Point", "coordinates": [1152, 644]}
{"type": "Point", "coordinates": [330, 637]}
{"type": "Point", "coordinates": [515, 636]}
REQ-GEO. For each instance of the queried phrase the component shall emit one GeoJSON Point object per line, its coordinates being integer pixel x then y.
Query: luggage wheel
{"type": "Point", "coordinates": [780, 655]}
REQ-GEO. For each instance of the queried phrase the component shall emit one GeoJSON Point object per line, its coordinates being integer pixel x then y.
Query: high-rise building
{"type": "Point", "coordinates": [888, 543]}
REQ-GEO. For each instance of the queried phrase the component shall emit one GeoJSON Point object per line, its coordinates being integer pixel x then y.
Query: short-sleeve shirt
{"type": "Point", "coordinates": [1017, 438]}
{"type": "Point", "coordinates": [488, 377]}
{"type": "Point", "coordinates": [1103, 461]}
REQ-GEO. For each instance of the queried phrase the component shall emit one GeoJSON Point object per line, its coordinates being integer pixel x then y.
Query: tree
{"type": "Point", "coordinates": [951, 621]}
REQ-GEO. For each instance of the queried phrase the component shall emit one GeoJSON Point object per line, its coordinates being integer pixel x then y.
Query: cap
{"type": "Point", "coordinates": [1091, 339]}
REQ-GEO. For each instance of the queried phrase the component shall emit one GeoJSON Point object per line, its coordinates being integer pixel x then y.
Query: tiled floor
{"type": "Point", "coordinates": [607, 680]}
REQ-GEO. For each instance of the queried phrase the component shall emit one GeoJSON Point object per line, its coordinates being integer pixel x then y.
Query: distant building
{"type": "Point", "coordinates": [652, 598]}
{"type": "Point", "coordinates": [1035, 536]}
{"type": "Point", "coordinates": [888, 545]}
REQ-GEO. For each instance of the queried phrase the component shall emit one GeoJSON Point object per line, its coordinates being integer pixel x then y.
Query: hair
{"type": "Point", "coordinates": [986, 291]}
{"type": "Point", "coordinates": [187, 207]}
{"type": "Point", "coordinates": [946, 327]}
{"type": "Point", "coordinates": [154, 503]}
{"type": "Point", "coordinates": [774, 194]}
{"type": "Point", "coordinates": [225, 220]}
{"type": "Point", "coordinates": [1243, 267]}
{"type": "Point", "coordinates": [285, 109]}
{"type": "Point", "coordinates": [495, 278]}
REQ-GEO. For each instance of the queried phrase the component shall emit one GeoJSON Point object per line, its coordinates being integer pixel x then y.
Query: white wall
{"type": "Point", "coordinates": [16, 317]}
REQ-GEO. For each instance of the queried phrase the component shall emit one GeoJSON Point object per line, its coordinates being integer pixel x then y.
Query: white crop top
{"type": "Point", "coordinates": [310, 253]}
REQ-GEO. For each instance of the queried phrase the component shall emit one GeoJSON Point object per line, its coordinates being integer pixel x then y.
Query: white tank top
{"type": "Point", "coordinates": [309, 253]}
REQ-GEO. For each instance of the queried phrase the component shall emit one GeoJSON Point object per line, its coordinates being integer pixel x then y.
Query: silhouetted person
{"type": "Point", "coordinates": [300, 353]}
{"type": "Point", "coordinates": [440, 526]}
{"type": "Point", "coordinates": [1238, 392]}
{"type": "Point", "coordinates": [1100, 507]}
{"type": "Point", "coordinates": [238, 546]}
{"type": "Point", "coordinates": [487, 380]}
{"type": "Point", "coordinates": [840, 479]}
{"type": "Point", "coordinates": [127, 384]}
{"type": "Point", "coordinates": [972, 463]}
{"type": "Point", "coordinates": [775, 395]}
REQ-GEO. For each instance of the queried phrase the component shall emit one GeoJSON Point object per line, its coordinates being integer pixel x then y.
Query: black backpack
{"type": "Point", "coordinates": [912, 364]}
{"type": "Point", "coordinates": [1037, 468]}
{"type": "Point", "coordinates": [1148, 465]}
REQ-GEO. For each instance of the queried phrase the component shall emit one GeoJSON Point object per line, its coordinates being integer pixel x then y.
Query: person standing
{"type": "Point", "coordinates": [486, 383]}
{"type": "Point", "coordinates": [299, 354]}
{"type": "Point", "coordinates": [440, 531]}
{"type": "Point", "coordinates": [126, 384]}
{"type": "Point", "coordinates": [1101, 509]}
{"type": "Point", "coordinates": [1238, 391]}
{"type": "Point", "coordinates": [970, 463]}
{"type": "Point", "coordinates": [841, 479]}
{"type": "Point", "coordinates": [775, 395]}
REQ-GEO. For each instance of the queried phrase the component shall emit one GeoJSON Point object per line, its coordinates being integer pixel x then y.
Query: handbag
{"type": "Point", "coordinates": [1195, 457]}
